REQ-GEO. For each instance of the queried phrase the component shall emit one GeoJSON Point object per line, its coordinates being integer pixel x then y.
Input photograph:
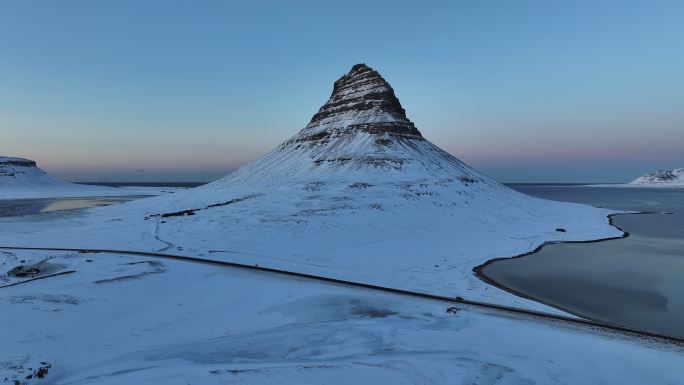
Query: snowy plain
{"type": "Point", "coordinates": [125, 320]}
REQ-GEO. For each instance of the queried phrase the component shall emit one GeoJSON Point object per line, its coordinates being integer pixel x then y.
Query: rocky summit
{"type": "Point", "coordinates": [361, 101]}
{"type": "Point", "coordinates": [16, 168]}
{"type": "Point", "coordinates": [6, 161]}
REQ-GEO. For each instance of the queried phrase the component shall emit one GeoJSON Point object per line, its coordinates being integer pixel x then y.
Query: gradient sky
{"type": "Point", "coordinates": [525, 91]}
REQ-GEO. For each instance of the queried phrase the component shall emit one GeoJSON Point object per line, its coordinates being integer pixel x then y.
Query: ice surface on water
{"type": "Point", "coordinates": [635, 281]}
{"type": "Point", "coordinates": [19, 207]}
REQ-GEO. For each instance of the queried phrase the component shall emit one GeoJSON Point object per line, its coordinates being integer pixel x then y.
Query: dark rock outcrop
{"type": "Point", "coordinates": [659, 176]}
{"type": "Point", "coordinates": [361, 101]}
{"type": "Point", "coordinates": [5, 161]}
{"type": "Point", "coordinates": [362, 130]}
{"type": "Point", "coordinates": [12, 167]}
{"type": "Point", "coordinates": [662, 176]}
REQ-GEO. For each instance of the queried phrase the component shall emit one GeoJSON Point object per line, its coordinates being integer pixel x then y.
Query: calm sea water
{"type": "Point", "coordinates": [636, 281]}
{"type": "Point", "coordinates": [145, 184]}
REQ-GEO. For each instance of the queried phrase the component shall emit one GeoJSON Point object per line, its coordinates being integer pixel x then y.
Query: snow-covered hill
{"type": "Point", "coordinates": [358, 194]}
{"type": "Point", "coordinates": [19, 174]}
{"type": "Point", "coordinates": [22, 179]}
{"type": "Point", "coordinates": [661, 178]}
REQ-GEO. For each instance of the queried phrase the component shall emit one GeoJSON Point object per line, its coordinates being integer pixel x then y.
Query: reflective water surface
{"type": "Point", "coordinates": [636, 281]}
{"type": "Point", "coordinates": [19, 207]}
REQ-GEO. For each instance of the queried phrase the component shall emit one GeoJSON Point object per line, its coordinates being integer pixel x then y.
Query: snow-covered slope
{"type": "Point", "coordinates": [358, 194]}
{"type": "Point", "coordinates": [661, 178]}
{"type": "Point", "coordinates": [19, 175]}
{"type": "Point", "coordinates": [22, 179]}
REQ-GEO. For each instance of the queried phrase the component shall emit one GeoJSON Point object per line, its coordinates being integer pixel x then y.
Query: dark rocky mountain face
{"type": "Point", "coordinates": [659, 176]}
{"type": "Point", "coordinates": [361, 101]}
{"type": "Point", "coordinates": [13, 167]}
{"type": "Point", "coordinates": [361, 134]}
{"type": "Point", "coordinates": [5, 161]}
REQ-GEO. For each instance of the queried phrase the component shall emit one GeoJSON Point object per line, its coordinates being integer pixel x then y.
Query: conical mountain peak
{"type": "Point", "coordinates": [362, 101]}
{"type": "Point", "coordinates": [361, 133]}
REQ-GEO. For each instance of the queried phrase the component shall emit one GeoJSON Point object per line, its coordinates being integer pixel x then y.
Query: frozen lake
{"type": "Point", "coordinates": [19, 207]}
{"type": "Point", "coordinates": [636, 281]}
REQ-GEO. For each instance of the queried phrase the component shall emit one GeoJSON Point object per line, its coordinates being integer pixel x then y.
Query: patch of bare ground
{"type": "Point", "coordinates": [25, 375]}
{"type": "Point", "coordinates": [188, 212]}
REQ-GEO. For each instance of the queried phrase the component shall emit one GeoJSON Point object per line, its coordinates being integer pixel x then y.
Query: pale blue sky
{"type": "Point", "coordinates": [523, 90]}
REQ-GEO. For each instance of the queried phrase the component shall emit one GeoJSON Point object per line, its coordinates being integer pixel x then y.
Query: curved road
{"type": "Point", "coordinates": [435, 297]}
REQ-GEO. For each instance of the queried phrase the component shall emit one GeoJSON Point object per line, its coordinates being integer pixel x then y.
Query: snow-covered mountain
{"type": "Point", "coordinates": [665, 178]}
{"type": "Point", "coordinates": [358, 194]}
{"type": "Point", "coordinates": [20, 173]}
{"type": "Point", "coordinates": [22, 179]}
{"type": "Point", "coordinates": [361, 134]}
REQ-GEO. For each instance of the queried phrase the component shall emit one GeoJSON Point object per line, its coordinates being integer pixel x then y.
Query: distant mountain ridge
{"type": "Point", "coordinates": [21, 173]}
{"type": "Point", "coordinates": [662, 178]}
{"type": "Point", "coordinates": [21, 178]}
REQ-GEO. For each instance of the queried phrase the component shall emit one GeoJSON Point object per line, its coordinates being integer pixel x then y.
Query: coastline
{"type": "Point", "coordinates": [88, 193]}
{"type": "Point", "coordinates": [478, 270]}
{"type": "Point", "coordinates": [638, 185]}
